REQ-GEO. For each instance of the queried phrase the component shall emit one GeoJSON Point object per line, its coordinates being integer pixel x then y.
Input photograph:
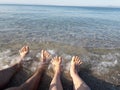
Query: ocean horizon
{"type": "Point", "coordinates": [57, 5]}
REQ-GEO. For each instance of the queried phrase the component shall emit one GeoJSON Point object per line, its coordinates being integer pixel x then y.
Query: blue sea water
{"type": "Point", "coordinates": [82, 26]}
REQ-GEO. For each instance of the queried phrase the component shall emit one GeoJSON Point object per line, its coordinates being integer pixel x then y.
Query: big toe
{"type": "Point", "coordinates": [60, 60]}
{"type": "Point", "coordinates": [73, 59]}
{"type": "Point", "coordinates": [27, 48]}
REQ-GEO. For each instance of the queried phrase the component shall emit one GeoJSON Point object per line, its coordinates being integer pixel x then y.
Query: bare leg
{"type": "Point", "coordinates": [56, 82]}
{"type": "Point", "coordinates": [79, 84]}
{"type": "Point", "coordinates": [6, 74]}
{"type": "Point", "coordinates": [33, 82]}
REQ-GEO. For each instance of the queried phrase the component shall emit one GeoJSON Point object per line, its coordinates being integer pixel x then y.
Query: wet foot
{"type": "Point", "coordinates": [75, 62]}
{"type": "Point", "coordinates": [45, 56]}
{"type": "Point", "coordinates": [23, 52]}
{"type": "Point", "coordinates": [56, 62]}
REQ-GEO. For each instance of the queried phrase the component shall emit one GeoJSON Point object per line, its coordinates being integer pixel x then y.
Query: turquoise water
{"type": "Point", "coordinates": [93, 33]}
{"type": "Point", "coordinates": [81, 26]}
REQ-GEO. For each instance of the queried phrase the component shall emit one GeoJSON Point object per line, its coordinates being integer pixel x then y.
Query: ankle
{"type": "Point", "coordinates": [57, 73]}
{"type": "Point", "coordinates": [73, 72]}
{"type": "Point", "coordinates": [57, 69]}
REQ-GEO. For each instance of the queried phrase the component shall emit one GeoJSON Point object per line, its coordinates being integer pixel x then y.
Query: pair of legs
{"type": "Point", "coordinates": [78, 83]}
{"type": "Point", "coordinates": [33, 82]}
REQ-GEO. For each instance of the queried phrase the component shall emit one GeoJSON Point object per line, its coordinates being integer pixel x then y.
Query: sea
{"type": "Point", "coordinates": [92, 33]}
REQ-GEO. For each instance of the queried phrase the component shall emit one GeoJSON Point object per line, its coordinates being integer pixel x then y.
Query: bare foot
{"type": "Point", "coordinates": [56, 62]}
{"type": "Point", "coordinates": [24, 51]}
{"type": "Point", "coordinates": [75, 62]}
{"type": "Point", "coordinates": [45, 56]}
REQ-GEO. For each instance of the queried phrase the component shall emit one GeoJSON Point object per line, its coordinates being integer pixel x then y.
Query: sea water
{"type": "Point", "coordinates": [93, 33]}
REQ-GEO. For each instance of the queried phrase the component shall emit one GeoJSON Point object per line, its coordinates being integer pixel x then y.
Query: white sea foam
{"type": "Point", "coordinates": [67, 57]}
{"type": "Point", "coordinates": [98, 66]}
{"type": "Point", "coordinates": [38, 55]}
{"type": "Point", "coordinates": [6, 60]}
{"type": "Point", "coordinates": [6, 66]}
{"type": "Point", "coordinates": [105, 63]}
{"type": "Point", "coordinates": [117, 54]}
{"type": "Point", "coordinates": [67, 68]}
{"type": "Point", "coordinates": [52, 52]}
{"type": "Point", "coordinates": [109, 56]}
{"type": "Point", "coordinates": [34, 66]}
{"type": "Point", "coordinates": [108, 64]}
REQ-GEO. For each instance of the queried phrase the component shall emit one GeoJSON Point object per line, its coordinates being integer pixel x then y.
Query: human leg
{"type": "Point", "coordinates": [56, 82]}
{"type": "Point", "coordinates": [79, 84]}
{"type": "Point", "coordinates": [33, 82]}
{"type": "Point", "coordinates": [6, 74]}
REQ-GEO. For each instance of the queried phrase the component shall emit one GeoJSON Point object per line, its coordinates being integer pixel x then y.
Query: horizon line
{"type": "Point", "coordinates": [58, 5]}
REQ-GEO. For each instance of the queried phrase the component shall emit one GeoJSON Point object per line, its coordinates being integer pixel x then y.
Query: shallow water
{"type": "Point", "coordinates": [89, 32]}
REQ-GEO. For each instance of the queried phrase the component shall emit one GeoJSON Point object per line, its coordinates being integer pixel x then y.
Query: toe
{"type": "Point", "coordinates": [56, 58]}
{"type": "Point", "coordinates": [73, 58]}
{"type": "Point", "coordinates": [27, 48]}
{"type": "Point", "coordinates": [47, 54]}
{"type": "Point", "coordinates": [52, 61]}
{"type": "Point", "coordinates": [60, 59]}
{"type": "Point", "coordinates": [78, 58]}
{"type": "Point", "coordinates": [42, 51]}
{"type": "Point", "coordinates": [79, 62]}
{"type": "Point", "coordinates": [22, 47]}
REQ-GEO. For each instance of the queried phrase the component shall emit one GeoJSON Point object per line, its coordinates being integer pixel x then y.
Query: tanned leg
{"type": "Point", "coordinates": [33, 82]}
{"type": "Point", "coordinates": [6, 74]}
{"type": "Point", "coordinates": [79, 84]}
{"type": "Point", "coordinates": [56, 82]}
